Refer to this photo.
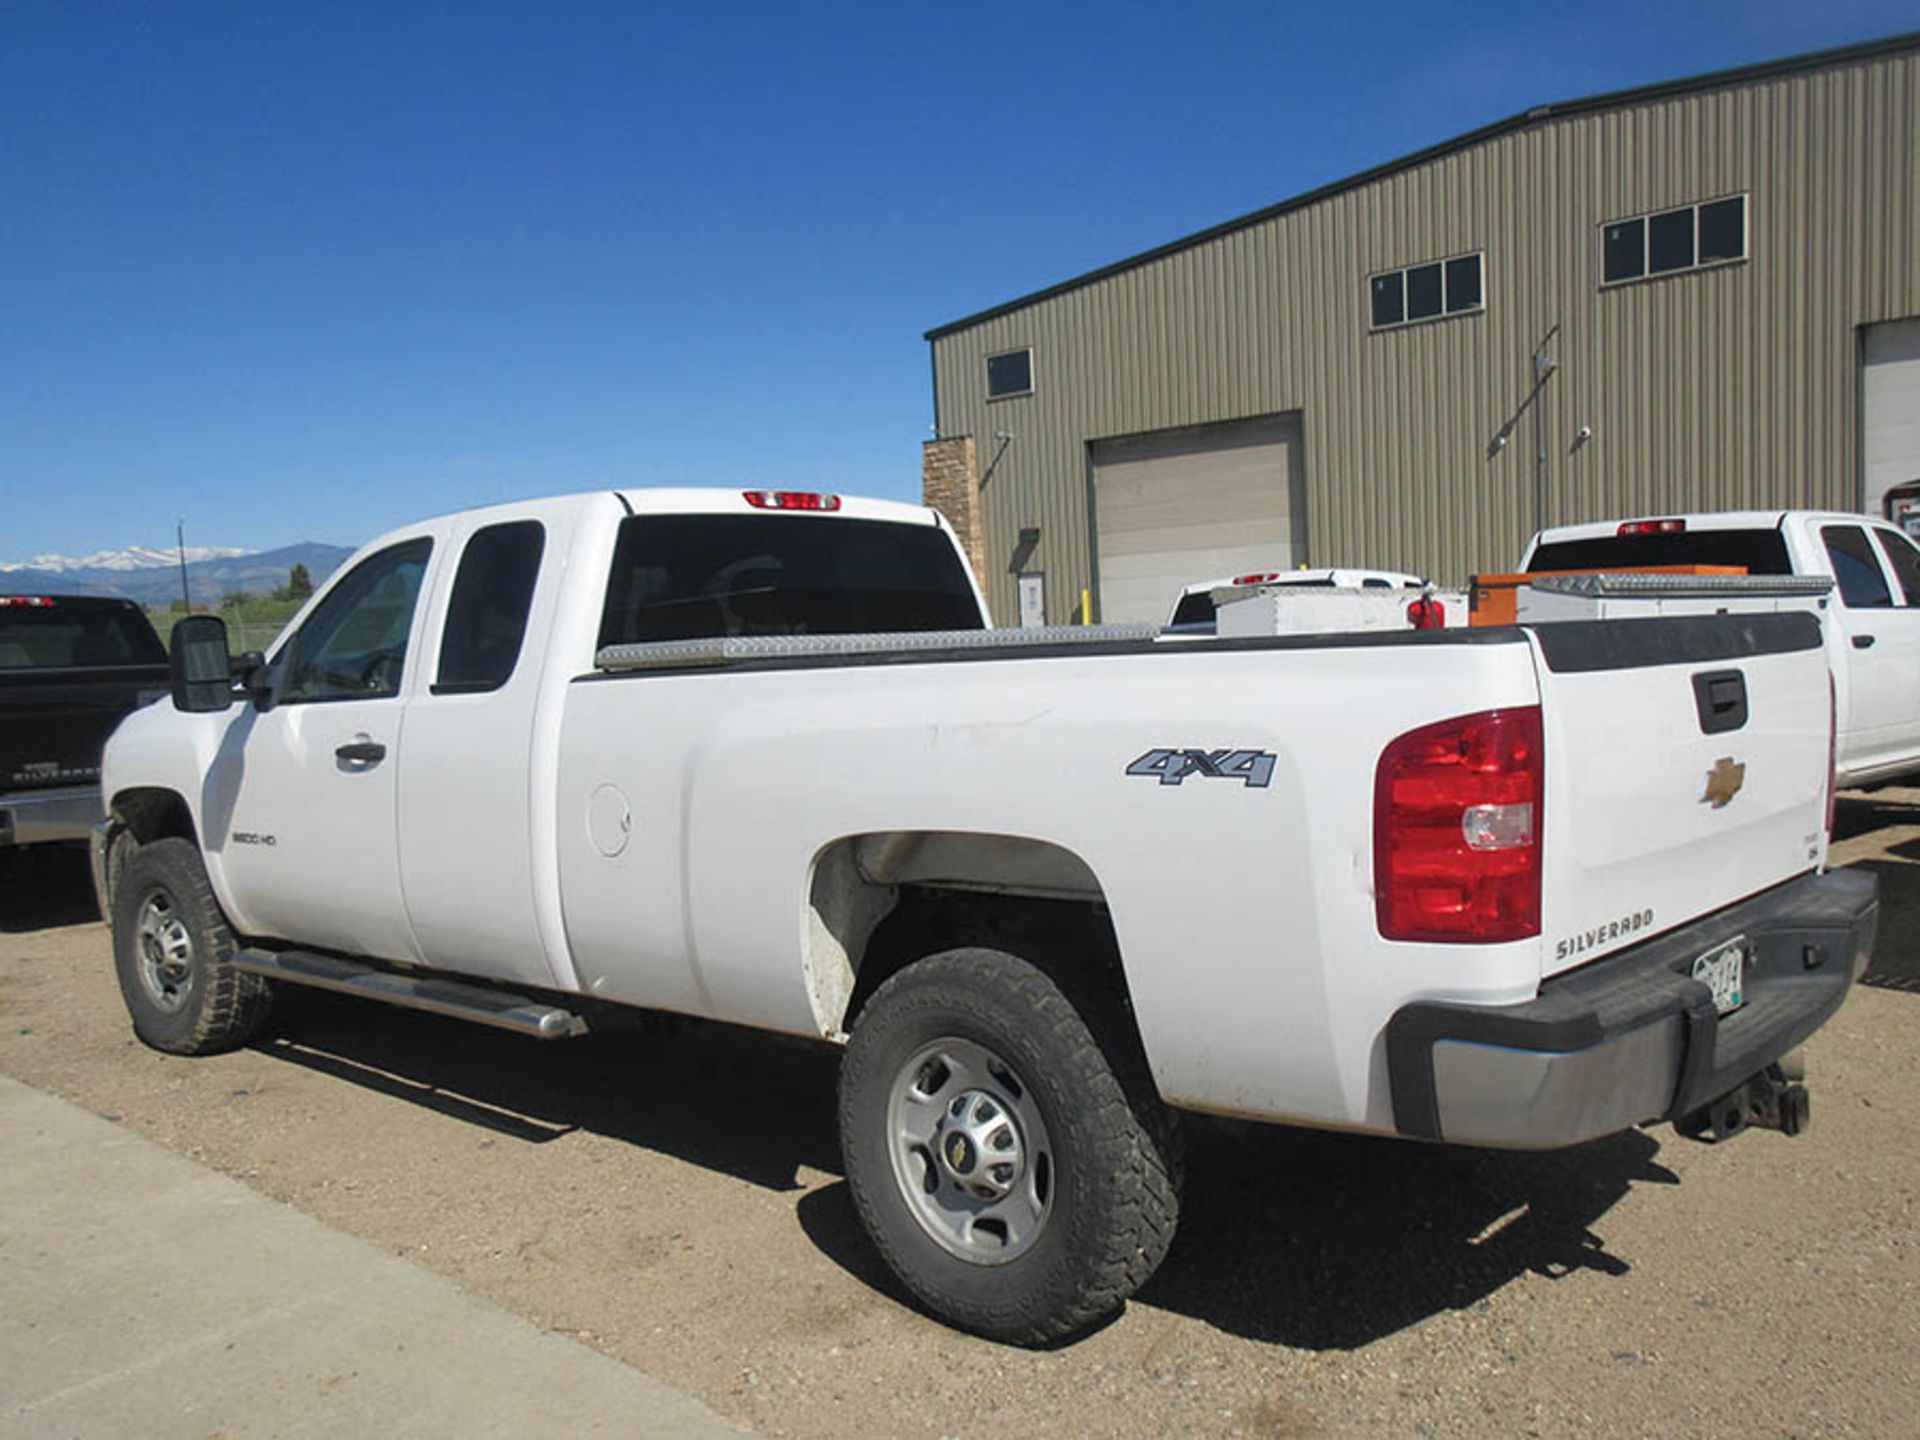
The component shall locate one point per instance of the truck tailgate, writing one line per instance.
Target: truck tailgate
(54, 724)
(1686, 768)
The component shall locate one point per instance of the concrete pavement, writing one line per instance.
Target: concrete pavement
(143, 1295)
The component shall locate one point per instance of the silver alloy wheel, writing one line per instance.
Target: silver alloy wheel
(166, 951)
(970, 1151)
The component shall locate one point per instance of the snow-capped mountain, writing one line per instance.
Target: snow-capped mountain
(134, 557)
(153, 576)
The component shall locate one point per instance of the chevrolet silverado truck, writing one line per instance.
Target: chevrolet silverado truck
(71, 667)
(1871, 624)
(757, 757)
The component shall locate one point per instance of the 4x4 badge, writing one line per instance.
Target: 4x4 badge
(1723, 782)
(1252, 768)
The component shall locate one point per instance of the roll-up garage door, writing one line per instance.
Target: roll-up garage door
(1176, 507)
(1889, 409)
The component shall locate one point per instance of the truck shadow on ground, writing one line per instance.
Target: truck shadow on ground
(753, 1106)
(1315, 1241)
(1896, 951)
(1330, 1242)
(45, 888)
(1896, 955)
(1861, 811)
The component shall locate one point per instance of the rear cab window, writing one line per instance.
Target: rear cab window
(1763, 551)
(1194, 614)
(51, 632)
(696, 576)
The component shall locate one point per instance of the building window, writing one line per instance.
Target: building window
(1010, 374)
(1686, 238)
(1426, 292)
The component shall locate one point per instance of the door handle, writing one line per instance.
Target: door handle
(362, 752)
(1863, 642)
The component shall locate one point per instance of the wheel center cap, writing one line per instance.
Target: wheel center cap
(980, 1146)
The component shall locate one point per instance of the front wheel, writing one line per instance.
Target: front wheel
(1005, 1173)
(172, 951)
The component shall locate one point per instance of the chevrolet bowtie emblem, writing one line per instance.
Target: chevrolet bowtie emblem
(1723, 782)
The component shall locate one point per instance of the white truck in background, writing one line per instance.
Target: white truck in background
(1871, 619)
(551, 765)
(1312, 602)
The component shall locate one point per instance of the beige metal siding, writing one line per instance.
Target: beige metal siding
(1730, 386)
(1179, 506)
(1890, 409)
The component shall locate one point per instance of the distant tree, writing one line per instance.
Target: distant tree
(299, 583)
(234, 599)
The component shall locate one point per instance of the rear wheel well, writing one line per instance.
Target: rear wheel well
(879, 901)
(1072, 941)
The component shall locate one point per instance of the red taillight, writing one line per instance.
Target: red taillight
(1427, 613)
(29, 602)
(1653, 527)
(790, 500)
(1456, 830)
(1259, 577)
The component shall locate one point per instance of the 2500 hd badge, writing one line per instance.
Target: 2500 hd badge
(1587, 939)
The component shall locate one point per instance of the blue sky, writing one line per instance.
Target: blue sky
(308, 272)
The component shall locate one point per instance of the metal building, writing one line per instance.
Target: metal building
(1697, 295)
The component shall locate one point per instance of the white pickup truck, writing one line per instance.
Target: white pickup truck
(1872, 633)
(547, 764)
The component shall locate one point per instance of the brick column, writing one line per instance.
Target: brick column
(950, 483)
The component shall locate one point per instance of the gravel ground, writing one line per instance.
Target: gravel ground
(676, 1201)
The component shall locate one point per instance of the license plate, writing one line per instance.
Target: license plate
(1723, 971)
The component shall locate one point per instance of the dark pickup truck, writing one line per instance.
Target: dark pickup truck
(71, 668)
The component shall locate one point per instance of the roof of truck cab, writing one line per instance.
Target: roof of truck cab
(716, 501)
(668, 500)
(1696, 520)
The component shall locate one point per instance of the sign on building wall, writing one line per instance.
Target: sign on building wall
(1033, 600)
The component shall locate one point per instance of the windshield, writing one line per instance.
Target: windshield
(50, 632)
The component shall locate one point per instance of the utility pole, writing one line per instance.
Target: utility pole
(180, 545)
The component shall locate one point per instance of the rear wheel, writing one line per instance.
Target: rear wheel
(1006, 1174)
(173, 952)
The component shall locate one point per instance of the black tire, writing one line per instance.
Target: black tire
(1110, 1177)
(172, 951)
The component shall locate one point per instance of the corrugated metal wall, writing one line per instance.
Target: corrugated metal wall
(1708, 389)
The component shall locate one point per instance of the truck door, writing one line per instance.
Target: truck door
(300, 802)
(466, 818)
(1881, 625)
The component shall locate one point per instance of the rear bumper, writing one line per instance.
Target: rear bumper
(34, 817)
(1633, 1038)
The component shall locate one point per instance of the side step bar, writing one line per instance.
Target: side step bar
(415, 992)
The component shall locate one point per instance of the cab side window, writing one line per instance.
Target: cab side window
(1863, 585)
(487, 616)
(354, 645)
(1904, 560)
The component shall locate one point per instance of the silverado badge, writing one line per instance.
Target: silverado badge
(1723, 782)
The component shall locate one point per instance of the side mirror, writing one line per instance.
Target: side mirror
(202, 671)
(251, 674)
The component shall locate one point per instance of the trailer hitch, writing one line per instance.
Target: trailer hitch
(1768, 1101)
